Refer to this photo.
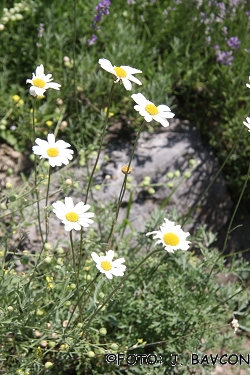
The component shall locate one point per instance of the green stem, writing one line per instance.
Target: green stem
(101, 142)
(117, 288)
(46, 208)
(98, 154)
(37, 188)
(123, 189)
(74, 264)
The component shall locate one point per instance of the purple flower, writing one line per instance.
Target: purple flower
(92, 41)
(103, 7)
(233, 42)
(248, 13)
(225, 58)
(222, 10)
(101, 10)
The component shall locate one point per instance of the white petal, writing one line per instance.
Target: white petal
(43, 144)
(62, 144)
(118, 262)
(40, 70)
(37, 90)
(110, 255)
(95, 257)
(109, 275)
(140, 99)
(51, 140)
(163, 108)
(53, 85)
(68, 227)
(106, 65)
(133, 79)
(118, 272)
(166, 114)
(38, 150)
(148, 117)
(127, 84)
(76, 225)
(161, 120)
(130, 70)
(33, 91)
(69, 203)
(52, 162)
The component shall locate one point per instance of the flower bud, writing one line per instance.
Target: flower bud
(48, 365)
(102, 331)
(91, 354)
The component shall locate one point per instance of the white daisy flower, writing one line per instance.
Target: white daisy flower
(56, 152)
(247, 123)
(105, 264)
(41, 82)
(171, 236)
(73, 217)
(123, 73)
(150, 112)
(247, 84)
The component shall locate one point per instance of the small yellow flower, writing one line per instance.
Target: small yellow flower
(49, 123)
(111, 114)
(86, 269)
(20, 103)
(126, 170)
(16, 98)
(140, 341)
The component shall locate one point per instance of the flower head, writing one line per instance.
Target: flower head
(247, 84)
(224, 58)
(171, 236)
(55, 151)
(247, 123)
(234, 42)
(123, 73)
(73, 217)
(105, 264)
(41, 82)
(150, 112)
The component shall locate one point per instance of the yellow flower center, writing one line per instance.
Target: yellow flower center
(52, 152)
(106, 265)
(39, 82)
(72, 216)
(152, 109)
(171, 239)
(121, 73)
